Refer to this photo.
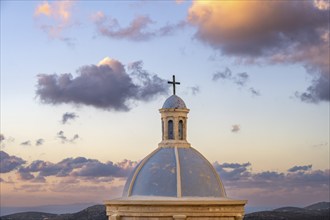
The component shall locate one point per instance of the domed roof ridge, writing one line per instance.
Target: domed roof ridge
(174, 101)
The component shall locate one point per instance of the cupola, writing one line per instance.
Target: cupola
(174, 121)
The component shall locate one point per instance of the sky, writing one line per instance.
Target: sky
(82, 83)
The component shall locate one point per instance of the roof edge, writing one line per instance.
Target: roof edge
(154, 200)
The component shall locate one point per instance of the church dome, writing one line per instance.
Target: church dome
(174, 172)
(174, 101)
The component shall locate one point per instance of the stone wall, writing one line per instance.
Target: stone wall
(154, 210)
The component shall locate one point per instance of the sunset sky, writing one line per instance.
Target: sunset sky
(82, 82)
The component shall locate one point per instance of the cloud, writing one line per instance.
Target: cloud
(43, 9)
(60, 135)
(322, 4)
(272, 186)
(60, 11)
(2, 137)
(68, 116)
(74, 188)
(235, 128)
(98, 17)
(239, 175)
(179, 1)
(137, 30)
(318, 91)
(77, 168)
(53, 18)
(292, 32)
(5, 140)
(26, 143)
(148, 85)
(115, 65)
(239, 79)
(9, 163)
(105, 86)
(235, 165)
(194, 89)
(226, 74)
(32, 188)
(249, 28)
(77, 174)
(300, 168)
(24, 175)
(232, 171)
(39, 142)
(60, 169)
(320, 145)
(254, 91)
(98, 169)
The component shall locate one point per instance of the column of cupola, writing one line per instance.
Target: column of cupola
(176, 128)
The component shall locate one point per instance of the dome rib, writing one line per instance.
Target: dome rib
(138, 169)
(178, 173)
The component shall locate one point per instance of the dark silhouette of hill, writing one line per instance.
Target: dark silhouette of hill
(96, 212)
(318, 206)
(317, 211)
(29, 216)
(54, 209)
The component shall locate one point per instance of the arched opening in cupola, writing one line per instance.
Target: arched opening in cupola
(170, 130)
(180, 130)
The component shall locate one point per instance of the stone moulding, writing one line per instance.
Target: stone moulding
(175, 209)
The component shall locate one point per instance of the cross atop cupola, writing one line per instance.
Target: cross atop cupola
(174, 120)
(173, 83)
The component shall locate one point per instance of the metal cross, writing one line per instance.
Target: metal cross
(173, 83)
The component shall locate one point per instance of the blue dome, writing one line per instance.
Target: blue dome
(174, 172)
(174, 101)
